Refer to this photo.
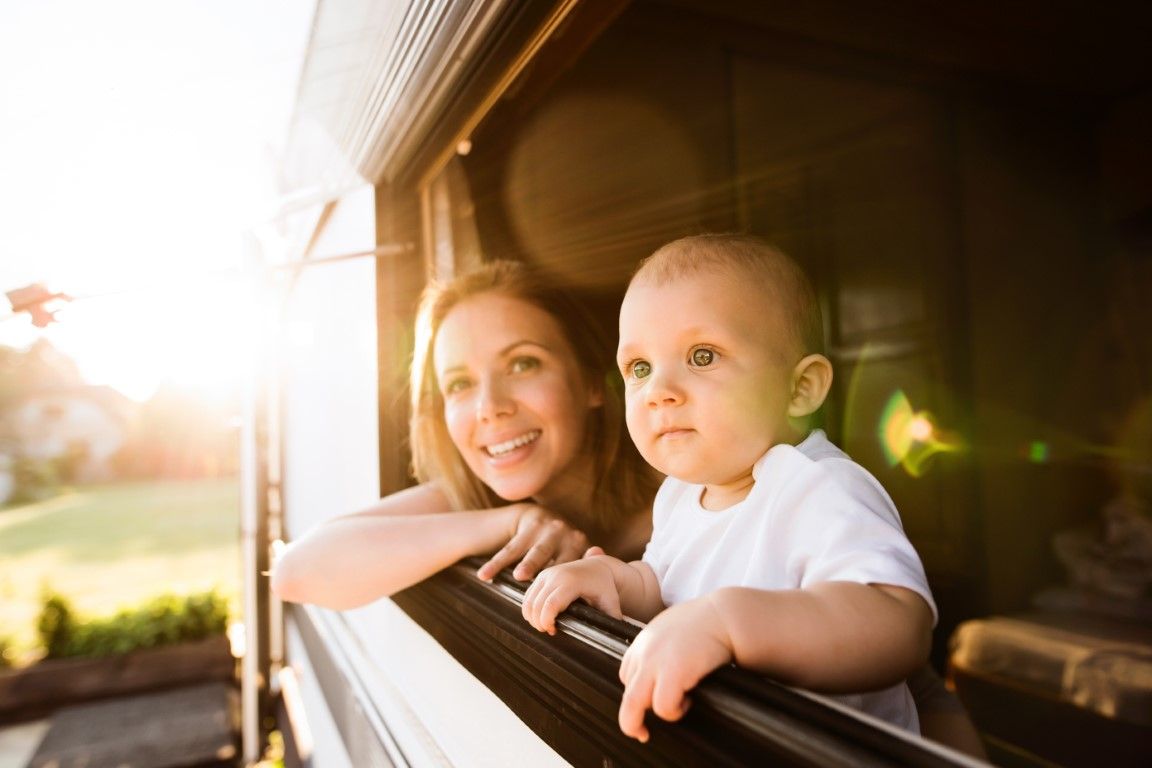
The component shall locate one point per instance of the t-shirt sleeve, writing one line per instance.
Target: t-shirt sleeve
(843, 527)
(656, 551)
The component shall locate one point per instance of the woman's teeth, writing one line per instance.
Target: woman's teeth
(499, 449)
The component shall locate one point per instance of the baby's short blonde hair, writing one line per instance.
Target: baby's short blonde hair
(771, 270)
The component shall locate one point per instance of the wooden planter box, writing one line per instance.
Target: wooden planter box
(35, 691)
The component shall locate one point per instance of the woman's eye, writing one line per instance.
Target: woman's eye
(640, 369)
(455, 386)
(522, 364)
(703, 357)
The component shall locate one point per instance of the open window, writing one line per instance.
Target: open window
(949, 178)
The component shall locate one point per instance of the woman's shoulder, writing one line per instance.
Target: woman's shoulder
(630, 538)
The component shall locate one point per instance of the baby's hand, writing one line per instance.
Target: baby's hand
(557, 587)
(667, 659)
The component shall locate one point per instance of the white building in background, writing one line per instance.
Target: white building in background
(91, 423)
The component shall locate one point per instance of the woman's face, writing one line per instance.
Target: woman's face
(515, 401)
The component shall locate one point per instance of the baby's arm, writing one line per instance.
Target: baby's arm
(836, 637)
(606, 583)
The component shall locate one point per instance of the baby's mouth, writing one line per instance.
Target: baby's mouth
(499, 449)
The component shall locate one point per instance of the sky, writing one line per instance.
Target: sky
(139, 141)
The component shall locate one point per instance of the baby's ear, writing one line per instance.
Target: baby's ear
(811, 380)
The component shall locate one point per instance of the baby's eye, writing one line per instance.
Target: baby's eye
(523, 363)
(702, 357)
(639, 369)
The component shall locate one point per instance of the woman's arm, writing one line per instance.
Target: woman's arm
(404, 538)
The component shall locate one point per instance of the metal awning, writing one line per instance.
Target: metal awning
(378, 76)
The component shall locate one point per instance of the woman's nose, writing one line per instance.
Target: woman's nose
(493, 401)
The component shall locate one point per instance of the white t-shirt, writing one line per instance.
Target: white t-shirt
(813, 515)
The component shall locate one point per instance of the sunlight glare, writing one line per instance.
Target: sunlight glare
(185, 335)
(140, 142)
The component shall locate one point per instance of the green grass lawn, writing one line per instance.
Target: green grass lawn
(113, 546)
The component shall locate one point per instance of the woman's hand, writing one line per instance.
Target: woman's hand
(539, 539)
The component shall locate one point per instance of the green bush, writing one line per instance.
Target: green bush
(164, 620)
(56, 625)
(33, 479)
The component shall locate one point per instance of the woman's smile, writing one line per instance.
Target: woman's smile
(506, 447)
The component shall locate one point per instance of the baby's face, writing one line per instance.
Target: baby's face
(707, 379)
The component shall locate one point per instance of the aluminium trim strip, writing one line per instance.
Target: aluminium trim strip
(366, 736)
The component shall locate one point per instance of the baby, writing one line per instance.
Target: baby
(771, 548)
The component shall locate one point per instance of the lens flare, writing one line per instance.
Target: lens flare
(920, 428)
(1038, 452)
(911, 438)
(895, 438)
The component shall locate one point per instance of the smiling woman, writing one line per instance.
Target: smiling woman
(513, 400)
(476, 324)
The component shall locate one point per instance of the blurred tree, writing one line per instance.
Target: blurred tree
(24, 371)
(39, 371)
(181, 434)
